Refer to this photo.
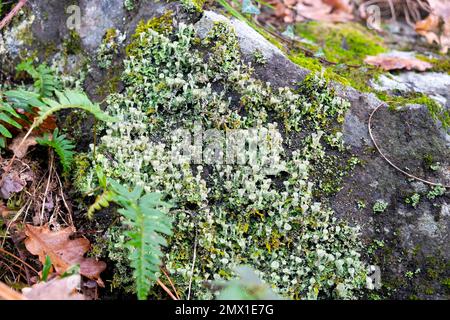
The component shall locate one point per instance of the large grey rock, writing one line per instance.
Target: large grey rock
(408, 137)
(97, 17)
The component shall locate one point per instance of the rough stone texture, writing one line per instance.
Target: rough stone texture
(414, 239)
(282, 71)
(434, 84)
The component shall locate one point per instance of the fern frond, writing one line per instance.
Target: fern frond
(24, 99)
(7, 116)
(62, 146)
(147, 222)
(69, 99)
(45, 82)
(102, 201)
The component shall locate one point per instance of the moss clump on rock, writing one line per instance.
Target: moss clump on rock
(254, 209)
(161, 24)
(437, 111)
(193, 5)
(72, 44)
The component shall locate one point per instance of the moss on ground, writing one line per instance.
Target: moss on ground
(193, 5)
(347, 43)
(72, 44)
(343, 45)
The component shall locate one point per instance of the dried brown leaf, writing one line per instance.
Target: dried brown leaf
(63, 251)
(56, 289)
(436, 27)
(325, 10)
(20, 148)
(396, 63)
(14, 181)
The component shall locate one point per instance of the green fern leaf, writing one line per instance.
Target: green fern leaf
(45, 82)
(102, 201)
(71, 99)
(68, 99)
(24, 99)
(7, 116)
(62, 146)
(147, 223)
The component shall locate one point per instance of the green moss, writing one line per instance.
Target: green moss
(72, 44)
(446, 284)
(82, 165)
(110, 35)
(345, 46)
(193, 5)
(111, 84)
(50, 50)
(302, 60)
(346, 43)
(162, 24)
(439, 65)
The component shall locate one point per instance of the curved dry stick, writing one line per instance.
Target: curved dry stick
(406, 12)
(12, 13)
(390, 162)
(424, 5)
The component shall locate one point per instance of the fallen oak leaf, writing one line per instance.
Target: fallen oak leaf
(387, 63)
(20, 147)
(324, 10)
(56, 289)
(431, 28)
(340, 5)
(63, 251)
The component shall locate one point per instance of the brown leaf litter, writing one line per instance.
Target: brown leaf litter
(63, 251)
(388, 62)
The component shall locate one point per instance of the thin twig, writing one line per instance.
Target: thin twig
(162, 285)
(19, 259)
(12, 13)
(389, 161)
(14, 219)
(171, 283)
(46, 188)
(193, 266)
(69, 211)
(22, 258)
